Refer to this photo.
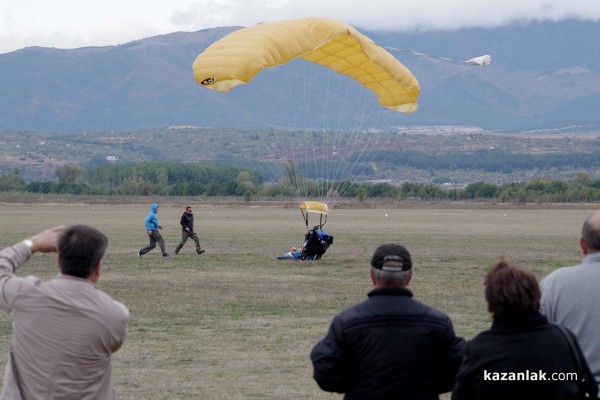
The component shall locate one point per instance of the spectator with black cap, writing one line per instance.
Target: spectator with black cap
(390, 346)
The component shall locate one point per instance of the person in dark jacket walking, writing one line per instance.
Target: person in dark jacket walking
(187, 230)
(153, 231)
(522, 356)
(390, 346)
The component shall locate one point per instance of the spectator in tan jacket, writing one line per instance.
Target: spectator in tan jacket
(63, 330)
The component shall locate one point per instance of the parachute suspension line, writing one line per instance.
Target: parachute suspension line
(297, 137)
(306, 150)
(481, 61)
(305, 217)
(326, 141)
(345, 141)
(293, 152)
(308, 145)
(340, 155)
(370, 148)
(323, 161)
(320, 158)
(342, 139)
(361, 163)
(334, 147)
(333, 153)
(264, 107)
(307, 159)
(287, 124)
(271, 106)
(355, 160)
(350, 142)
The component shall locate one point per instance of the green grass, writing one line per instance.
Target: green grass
(236, 323)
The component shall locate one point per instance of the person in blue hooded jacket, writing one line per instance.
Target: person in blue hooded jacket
(153, 231)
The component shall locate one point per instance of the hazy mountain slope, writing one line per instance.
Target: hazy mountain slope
(543, 76)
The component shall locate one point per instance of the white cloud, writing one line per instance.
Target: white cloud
(389, 14)
(75, 23)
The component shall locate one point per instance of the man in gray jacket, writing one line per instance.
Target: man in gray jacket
(570, 295)
(63, 330)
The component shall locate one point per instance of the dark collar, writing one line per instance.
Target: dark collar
(530, 321)
(390, 292)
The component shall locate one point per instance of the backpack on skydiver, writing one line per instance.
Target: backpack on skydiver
(316, 243)
(316, 240)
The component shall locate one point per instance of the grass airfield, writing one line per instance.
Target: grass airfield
(236, 323)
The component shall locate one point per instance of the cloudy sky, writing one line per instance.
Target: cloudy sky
(78, 23)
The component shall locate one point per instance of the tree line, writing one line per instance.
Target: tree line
(211, 179)
(147, 178)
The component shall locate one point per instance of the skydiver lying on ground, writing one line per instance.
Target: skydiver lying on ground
(316, 243)
(293, 254)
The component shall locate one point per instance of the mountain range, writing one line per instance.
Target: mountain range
(544, 76)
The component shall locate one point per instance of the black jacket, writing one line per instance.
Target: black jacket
(531, 346)
(388, 347)
(187, 221)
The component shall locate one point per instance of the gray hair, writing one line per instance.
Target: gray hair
(591, 231)
(391, 279)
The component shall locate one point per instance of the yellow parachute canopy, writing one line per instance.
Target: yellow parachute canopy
(235, 59)
(314, 207)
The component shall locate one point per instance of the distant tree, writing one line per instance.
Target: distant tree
(13, 181)
(431, 191)
(133, 187)
(521, 196)
(179, 179)
(361, 194)
(582, 178)
(480, 190)
(424, 191)
(382, 190)
(40, 187)
(504, 196)
(244, 183)
(293, 175)
(68, 173)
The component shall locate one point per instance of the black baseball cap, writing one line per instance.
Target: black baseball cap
(391, 257)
